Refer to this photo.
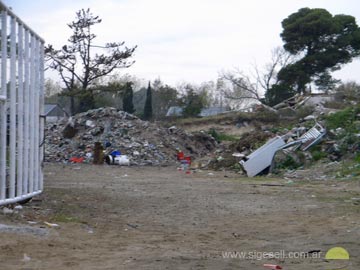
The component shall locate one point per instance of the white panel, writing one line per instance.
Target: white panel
(12, 108)
(20, 112)
(32, 116)
(36, 115)
(26, 113)
(42, 114)
(3, 119)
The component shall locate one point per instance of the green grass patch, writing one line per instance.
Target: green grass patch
(345, 119)
(349, 170)
(288, 163)
(317, 153)
(63, 218)
(220, 137)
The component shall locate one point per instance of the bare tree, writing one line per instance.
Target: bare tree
(80, 64)
(268, 76)
(249, 89)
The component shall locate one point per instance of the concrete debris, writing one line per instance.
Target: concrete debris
(26, 258)
(23, 230)
(6, 211)
(143, 143)
(310, 118)
(298, 100)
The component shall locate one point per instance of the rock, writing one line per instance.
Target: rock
(69, 131)
(7, 211)
(89, 123)
(309, 118)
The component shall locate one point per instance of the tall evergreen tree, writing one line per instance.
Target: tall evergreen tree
(148, 104)
(128, 105)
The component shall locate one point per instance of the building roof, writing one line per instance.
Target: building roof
(178, 111)
(175, 111)
(212, 111)
(48, 108)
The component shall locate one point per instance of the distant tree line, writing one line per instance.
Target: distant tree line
(316, 43)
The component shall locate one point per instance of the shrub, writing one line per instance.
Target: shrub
(343, 119)
(219, 137)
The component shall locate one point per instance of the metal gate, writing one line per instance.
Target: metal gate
(21, 107)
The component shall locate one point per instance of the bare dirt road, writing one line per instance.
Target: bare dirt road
(160, 218)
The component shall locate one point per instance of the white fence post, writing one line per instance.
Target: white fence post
(3, 113)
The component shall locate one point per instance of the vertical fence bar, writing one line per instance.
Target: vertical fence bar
(32, 115)
(3, 128)
(42, 115)
(12, 108)
(20, 112)
(37, 112)
(26, 113)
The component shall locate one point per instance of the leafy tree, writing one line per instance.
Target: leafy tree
(325, 43)
(148, 113)
(349, 91)
(164, 96)
(193, 101)
(80, 63)
(278, 93)
(51, 88)
(326, 82)
(128, 105)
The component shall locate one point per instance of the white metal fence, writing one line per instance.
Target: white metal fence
(21, 107)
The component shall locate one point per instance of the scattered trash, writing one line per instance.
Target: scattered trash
(23, 230)
(77, 159)
(309, 117)
(90, 123)
(239, 155)
(134, 226)
(272, 266)
(32, 222)
(18, 207)
(180, 155)
(26, 258)
(144, 143)
(263, 157)
(51, 225)
(7, 211)
(124, 160)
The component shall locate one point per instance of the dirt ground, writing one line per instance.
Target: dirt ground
(114, 217)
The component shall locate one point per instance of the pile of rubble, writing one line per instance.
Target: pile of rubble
(144, 143)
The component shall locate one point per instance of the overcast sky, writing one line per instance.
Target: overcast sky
(187, 40)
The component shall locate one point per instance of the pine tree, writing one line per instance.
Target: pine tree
(148, 104)
(81, 64)
(128, 105)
